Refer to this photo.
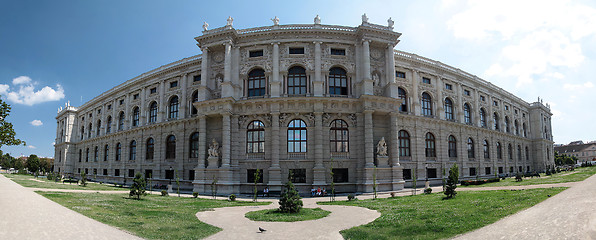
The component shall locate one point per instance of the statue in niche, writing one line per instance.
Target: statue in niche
(375, 78)
(317, 19)
(364, 18)
(230, 21)
(214, 149)
(218, 81)
(275, 21)
(382, 147)
(390, 22)
(205, 26)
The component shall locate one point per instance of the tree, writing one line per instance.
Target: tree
(290, 201)
(33, 163)
(7, 133)
(452, 182)
(83, 179)
(257, 176)
(332, 195)
(137, 188)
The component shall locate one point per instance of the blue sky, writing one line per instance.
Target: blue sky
(57, 51)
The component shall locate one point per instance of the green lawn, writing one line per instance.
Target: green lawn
(430, 217)
(274, 215)
(28, 181)
(579, 174)
(152, 217)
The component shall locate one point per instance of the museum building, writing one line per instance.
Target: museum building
(313, 103)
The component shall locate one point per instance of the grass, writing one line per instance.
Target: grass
(430, 217)
(152, 217)
(28, 181)
(274, 215)
(579, 174)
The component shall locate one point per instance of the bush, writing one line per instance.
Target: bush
(428, 190)
(351, 197)
(195, 194)
(83, 179)
(290, 201)
(452, 182)
(164, 193)
(137, 188)
(232, 197)
(519, 177)
(51, 176)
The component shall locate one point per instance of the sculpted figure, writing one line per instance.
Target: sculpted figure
(382, 147)
(205, 26)
(230, 21)
(390, 22)
(214, 149)
(317, 19)
(275, 21)
(364, 18)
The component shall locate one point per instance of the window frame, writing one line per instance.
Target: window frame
(255, 137)
(430, 150)
(300, 127)
(339, 136)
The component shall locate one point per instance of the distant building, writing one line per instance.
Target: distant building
(583, 152)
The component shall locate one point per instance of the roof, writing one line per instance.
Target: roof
(575, 148)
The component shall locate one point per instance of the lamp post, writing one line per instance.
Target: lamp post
(170, 177)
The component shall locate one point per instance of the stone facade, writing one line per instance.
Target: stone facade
(304, 99)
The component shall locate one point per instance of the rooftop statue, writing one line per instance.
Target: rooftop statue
(275, 21)
(205, 26)
(364, 18)
(317, 19)
(230, 21)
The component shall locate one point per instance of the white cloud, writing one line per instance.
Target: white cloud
(578, 87)
(27, 94)
(21, 80)
(31, 146)
(36, 123)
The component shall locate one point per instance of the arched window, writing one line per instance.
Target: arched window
(339, 136)
(118, 151)
(470, 148)
(80, 155)
(106, 152)
(255, 137)
(499, 151)
(153, 112)
(98, 131)
(194, 145)
(467, 114)
(486, 149)
(519, 156)
(121, 121)
(510, 151)
(132, 154)
(171, 147)
(90, 130)
(195, 98)
(135, 117)
(109, 125)
(496, 123)
(150, 149)
(429, 148)
(427, 105)
(482, 118)
(448, 109)
(82, 133)
(516, 125)
(297, 81)
(524, 128)
(452, 147)
(404, 143)
(174, 107)
(527, 154)
(507, 124)
(401, 94)
(338, 81)
(95, 154)
(256, 83)
(87, 155)
(297, 136)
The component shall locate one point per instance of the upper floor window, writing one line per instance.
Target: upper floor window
(448, 86)
(153, 90)
(95, 154)
(255, 53)
(510, 152)
(297, 136)
(82, 133)
(109, 125)
(121, 121)
(106, 152)
(118, 151)
(496, 123)
(339, 136)
(507, 127)
(427, 105)
(296, 50)
(87, 155)
(524, 130)
(171, 147)
(486, 149)
(401, 94)
(194, 145)
(448, 109)
(467, 92)
(132, 155)
(519, 155)
(109, 106)
(400, 74)
(149, 149)
(426, 80)
(429, 147)
(499, 151)
(98, 130)
(482, 98)
(173, 114)
(296, 81)
(135, 97)
(516, 126)
(153, 112)
(121, 102)
(452, 146)
(90, 130)
(195, 98)
(256, 83)
(338, 81)
(527, 154)
(196, 78)
(470, 148)
(338, 51)
(404, 143)
(495, 103)
(173, 84)
(135, 117)
(467, 114)
(482, 118)
(255, 137)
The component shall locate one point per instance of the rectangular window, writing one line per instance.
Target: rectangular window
(495, 103)
(426, 80)
(431, 173)
(515, 111)
(135, 97)
(297, 50)
(86, 171)
(191, 175)
(169, 174)
(467, 92)
(482, 98)
(500, 170)
(105, 171)
(173, 84)
(298, 175)
(340, 175)
(407, 174)
(121, 101)
(506, 107)
(131, 173)
(196, 78)
(487, 170)
(109, 106)
(95, 171)
(448, 86)
(148, 173)
(338, 51)
(250, 175)
(255, 53)
(98, 111)
(510, 169)
(472, 171)
(400, 74)
(116, 172)
(153, 90)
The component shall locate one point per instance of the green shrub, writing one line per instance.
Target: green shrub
(290, 201)
(137, 188)
(232, 197)
(452, 182)
(351, 197)
(164, 193)
(50, 176)
(83, 179)
(519, 177)
(428, 190)
(195, 194)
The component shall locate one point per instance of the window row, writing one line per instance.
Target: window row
(297, 82)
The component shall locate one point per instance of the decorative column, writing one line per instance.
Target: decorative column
(275, 170)
(460, 103)
(391, 87)
(225, 139)
(368, 139)
(318, 81)
(227, 90)
(183, 103)
(275, 82)
(200, 174)
(142, 107)
(397, 179)
(319, 169)
(162, 111)
(367, 81)
(440, 101)
(236, 73)
(476, 110)
(414, 93)
(203, 91)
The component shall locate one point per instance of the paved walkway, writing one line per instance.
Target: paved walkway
(570, 214)
(27, 215)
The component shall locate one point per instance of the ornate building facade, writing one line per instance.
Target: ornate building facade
(310, 99)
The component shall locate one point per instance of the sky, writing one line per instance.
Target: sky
(56, 51)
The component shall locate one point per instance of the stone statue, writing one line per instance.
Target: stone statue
(364, 18)
(382, 147)
(230, 21)
(375, 78)
(275, 21)
(205, 26)
(214, 149)
(390, 22)
(317, 19)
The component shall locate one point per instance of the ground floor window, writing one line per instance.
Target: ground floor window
(500, 170)
(86, 171)
(431, 173)
(407, 174)
(251, 175)
(95, 171)
(105, 171)
(131, 173)
(116, 172)
(340, 175)
(148, 173)
(527, 168)
(191, 175)
(510, 169)
(487, 170)
(298, 175)
(169, 174)
(472, 171)
(520, 169)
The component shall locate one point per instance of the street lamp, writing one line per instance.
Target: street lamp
(170, 177)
